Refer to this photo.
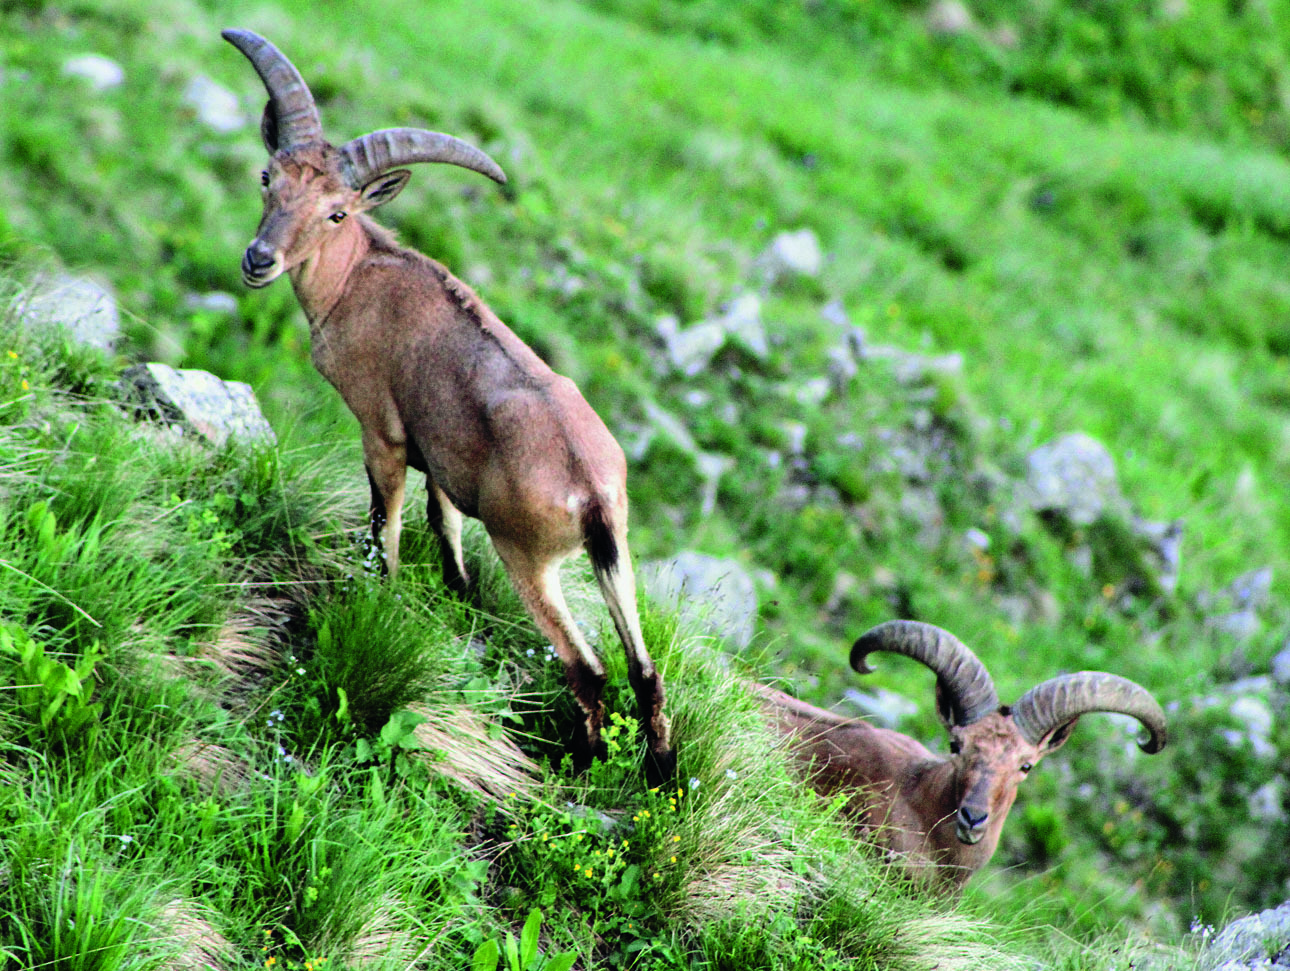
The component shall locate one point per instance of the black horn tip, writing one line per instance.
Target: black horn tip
(860, 658)
(1154, 742)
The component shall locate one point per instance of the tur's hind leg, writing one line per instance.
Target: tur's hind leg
(618, 587)
(446, 520)
(538, 585)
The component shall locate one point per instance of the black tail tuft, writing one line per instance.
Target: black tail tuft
(598, 537)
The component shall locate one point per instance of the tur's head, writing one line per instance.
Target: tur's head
(310, 187)
(992, 746)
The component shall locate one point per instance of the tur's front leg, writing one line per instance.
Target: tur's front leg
(387, 475)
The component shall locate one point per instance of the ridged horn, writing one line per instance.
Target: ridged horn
(294, 114)
(962, 677)
(367, 156)
(1061, 700)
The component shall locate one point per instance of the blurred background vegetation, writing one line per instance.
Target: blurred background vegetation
(1034, 220)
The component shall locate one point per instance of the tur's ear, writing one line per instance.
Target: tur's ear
(383, 188)
(1057, 737)
(269, 128)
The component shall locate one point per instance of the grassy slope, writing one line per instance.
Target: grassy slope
(226, 745)
(1098, 276)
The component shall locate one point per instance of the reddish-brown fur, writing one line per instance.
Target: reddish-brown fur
(438, 382)
(908, 800)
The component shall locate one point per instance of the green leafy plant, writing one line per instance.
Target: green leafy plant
(521, 955)
(53, 695)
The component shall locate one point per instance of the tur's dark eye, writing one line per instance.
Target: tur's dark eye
(264, 179)
(1026, 767)
(336, 217)
(955, 746)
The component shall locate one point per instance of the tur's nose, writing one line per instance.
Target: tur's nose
(257, 258)
(970, 819)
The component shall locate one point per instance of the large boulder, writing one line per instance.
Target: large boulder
(199, 403)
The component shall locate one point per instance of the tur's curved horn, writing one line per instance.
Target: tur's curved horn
(960, 674)
(294, 114)
(1059, 701)
(367, 156)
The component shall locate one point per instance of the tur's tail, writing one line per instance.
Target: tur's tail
(598, 537)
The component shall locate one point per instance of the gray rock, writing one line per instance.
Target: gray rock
(1250, 590)
(1252, 942)
(795, 254)
(1266, 801)
(1162, 543)
(1281, 667)
(881, 706)
(1074, 476)
(716, 594)
(1240, 625)
(949, 18)
(214, 301)
(741, 321)
(711, 468)
(215, 105)
(199, 403)
(690, 349)
(101, 72)
(910, 368)
(665, 425)
(82, 306)
(835, 312)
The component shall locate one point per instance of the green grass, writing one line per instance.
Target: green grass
(1096, 219)
(304, 766)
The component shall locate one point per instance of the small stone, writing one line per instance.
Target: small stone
(216, 106)
(1074, 476)
(1240, 625)
(82, 306)
(1163, 541)
(794, 254)
(101, 72)
(691, 349)
(1281, 666)
(949, 18)
(741, 321)
(1250, 590)
(835, 312)
(215, 301)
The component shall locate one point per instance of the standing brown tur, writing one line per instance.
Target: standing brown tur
(439, 383)
(942, 815)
